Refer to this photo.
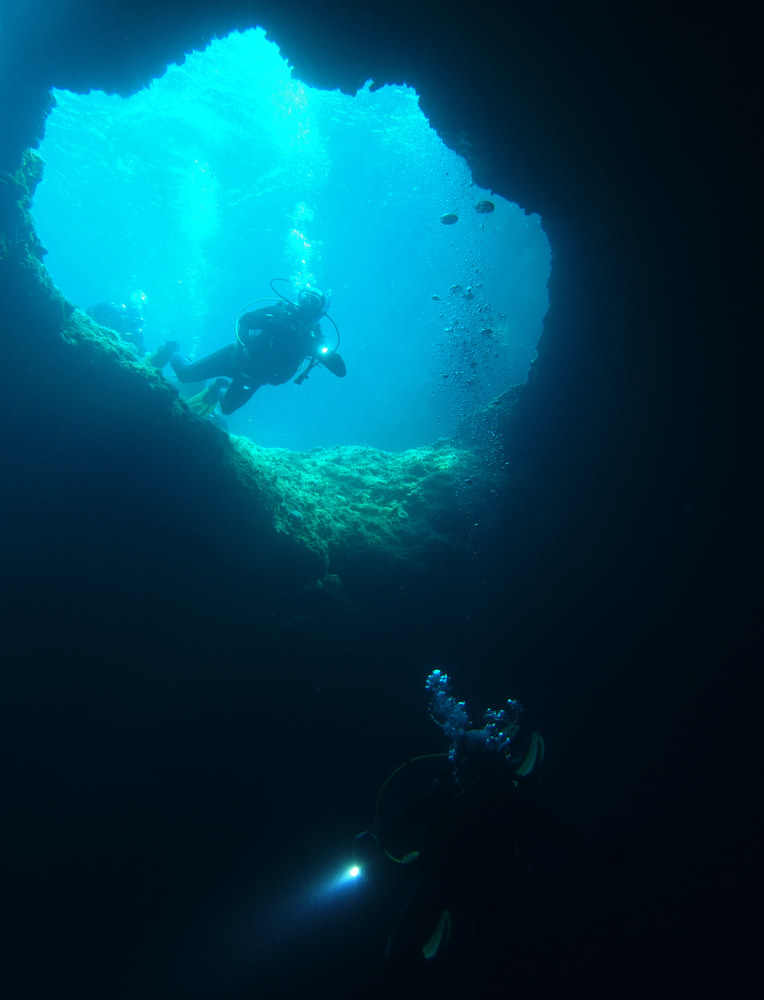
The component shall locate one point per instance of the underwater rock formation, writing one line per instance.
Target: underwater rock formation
(300, 515)
(354, 501)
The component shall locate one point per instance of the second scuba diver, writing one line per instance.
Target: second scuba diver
(271, 344)
(471, 828)
(126, 320)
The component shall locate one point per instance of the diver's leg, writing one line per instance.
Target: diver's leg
(423, 925)
(239, 392)
(218, 363)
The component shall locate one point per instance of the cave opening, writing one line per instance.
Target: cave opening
(187, 198)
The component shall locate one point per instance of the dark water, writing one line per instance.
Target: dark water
(190, 196)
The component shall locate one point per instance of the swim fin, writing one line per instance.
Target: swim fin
(204, 402)
(161, 356)
(440, 937)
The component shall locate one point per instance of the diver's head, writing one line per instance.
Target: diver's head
(312, 304)
(476, 757)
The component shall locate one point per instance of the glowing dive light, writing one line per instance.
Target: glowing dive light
(354, 871)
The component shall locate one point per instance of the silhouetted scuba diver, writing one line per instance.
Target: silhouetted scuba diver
(471, 828)
(125, 320)
(271, 344)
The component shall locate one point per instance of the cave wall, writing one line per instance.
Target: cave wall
(617, 594)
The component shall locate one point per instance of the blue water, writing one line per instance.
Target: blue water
(192, 194)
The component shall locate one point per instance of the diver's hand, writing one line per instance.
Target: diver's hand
(334, 363)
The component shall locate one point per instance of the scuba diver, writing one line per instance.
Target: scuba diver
(126, 320)
(271, 344)
(471, 828)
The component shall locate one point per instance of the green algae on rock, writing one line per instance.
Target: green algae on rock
(355, 500)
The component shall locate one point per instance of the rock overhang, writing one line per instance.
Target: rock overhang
(419, 512)
(486, 114)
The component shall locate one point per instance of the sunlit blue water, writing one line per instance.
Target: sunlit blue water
(227, 172)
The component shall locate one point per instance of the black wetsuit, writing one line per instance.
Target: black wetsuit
(473, 848)
(273, 343)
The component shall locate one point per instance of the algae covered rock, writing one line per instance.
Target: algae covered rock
(355, 501)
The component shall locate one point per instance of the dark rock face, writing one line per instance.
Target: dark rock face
(192, 702)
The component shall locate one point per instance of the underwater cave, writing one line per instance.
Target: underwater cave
(190, 196)
(216, 640)
(227, 181)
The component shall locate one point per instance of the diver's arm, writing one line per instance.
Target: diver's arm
(320, 353)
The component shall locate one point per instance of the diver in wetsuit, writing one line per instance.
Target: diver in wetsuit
(471, 828)
(125, 320)
(271, 344)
